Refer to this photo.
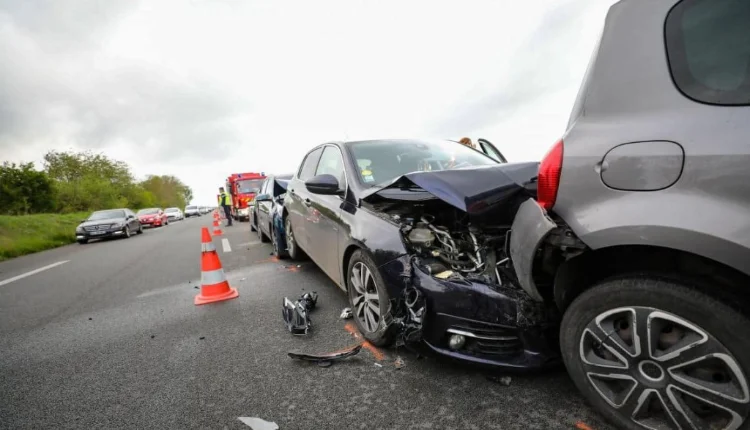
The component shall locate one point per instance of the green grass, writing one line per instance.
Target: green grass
(26, 234)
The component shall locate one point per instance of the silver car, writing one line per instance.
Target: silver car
(174, 214)
(640, 233)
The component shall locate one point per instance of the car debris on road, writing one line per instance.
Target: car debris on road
(346, 314)
(326, 359)
(296, 314)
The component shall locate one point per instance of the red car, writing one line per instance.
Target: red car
(152, 217)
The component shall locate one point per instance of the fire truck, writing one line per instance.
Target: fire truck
(243, 187)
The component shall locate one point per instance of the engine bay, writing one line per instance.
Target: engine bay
(453, 245)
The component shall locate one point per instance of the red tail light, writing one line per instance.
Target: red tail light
(549, 176)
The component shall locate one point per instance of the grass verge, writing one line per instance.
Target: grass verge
(26, 234)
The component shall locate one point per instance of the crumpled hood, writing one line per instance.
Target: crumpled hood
(473, 190)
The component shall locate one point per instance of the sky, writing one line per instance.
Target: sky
(201, 89)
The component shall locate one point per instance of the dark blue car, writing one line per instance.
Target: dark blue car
(265, 216)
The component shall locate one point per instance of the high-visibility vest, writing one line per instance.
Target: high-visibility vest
(225, 199)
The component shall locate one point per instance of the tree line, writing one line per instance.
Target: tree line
(82, 182)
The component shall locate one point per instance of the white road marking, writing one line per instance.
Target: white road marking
(256, 423)
(33, 272)
(225, 245)
(242, 245)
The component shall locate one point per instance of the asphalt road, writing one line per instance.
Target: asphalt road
(111, 339)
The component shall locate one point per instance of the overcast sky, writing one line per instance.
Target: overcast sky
(203, 88)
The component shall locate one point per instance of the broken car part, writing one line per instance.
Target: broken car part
(327, 357)
(296, 314)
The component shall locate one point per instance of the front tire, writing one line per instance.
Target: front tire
(261, 236)
(295, 253)
(653, 352)
(127, 232)
(140, 229)
(254, 223)
(82, 241)
(369, 299)
(277, 251)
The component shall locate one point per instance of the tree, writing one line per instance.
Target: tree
(168, 190)
(25, 190)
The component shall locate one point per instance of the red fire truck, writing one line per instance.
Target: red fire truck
(243, 187)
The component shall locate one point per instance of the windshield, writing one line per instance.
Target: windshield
(380, 162)
(191, 208)
(249, 186)
(116, 213)
(171, 210)
(149, 211)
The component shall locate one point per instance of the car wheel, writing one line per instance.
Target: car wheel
(656, 353)
(262, 237)
(140, 229)
(277, 251)
(369, 299)
(127, 231)
(253, 224)
(82, 241)
(294, 252)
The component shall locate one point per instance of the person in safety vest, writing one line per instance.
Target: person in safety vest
(225, 201)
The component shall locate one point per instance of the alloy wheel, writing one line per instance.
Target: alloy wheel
(365, 298)
(663, 372)
(127, 231)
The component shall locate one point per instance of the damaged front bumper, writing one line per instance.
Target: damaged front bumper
(500, 327)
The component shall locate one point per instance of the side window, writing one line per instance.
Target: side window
(264, 186)
(307, 170)
(331, 163)
(708, 46)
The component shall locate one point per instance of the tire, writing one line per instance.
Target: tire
(140, 229)
(676, 312)
(375, 331)
(294, 251)
(277, 251)
(127, 232)
(254, 223)
(82, 241)
(261, 236)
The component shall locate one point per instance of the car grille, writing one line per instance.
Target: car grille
(489, 339)
(98, 227)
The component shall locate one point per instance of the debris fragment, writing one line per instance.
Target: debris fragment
(328, 357)
(296, 313)
(90, 318)
(243, 279)
(202, 337)
(580, 425)
(258, 424)
(153, 336)
(346, 314)
(399, 363)
(196, 287)
(502, 380)
(378, 364)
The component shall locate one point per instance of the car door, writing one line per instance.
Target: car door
(264, 208)
(326, 213)
(491, 151)
(131, 219)
(299, 201)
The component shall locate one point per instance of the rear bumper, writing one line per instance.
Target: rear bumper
(500, 327)
(530, 227)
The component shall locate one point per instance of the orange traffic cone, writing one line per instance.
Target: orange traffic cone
(217, 229)
(214, 285)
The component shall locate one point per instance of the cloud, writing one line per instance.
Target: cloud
(202, 89)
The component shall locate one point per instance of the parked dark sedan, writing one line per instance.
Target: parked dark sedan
(416, 232)
(266, 212)
(108, 223)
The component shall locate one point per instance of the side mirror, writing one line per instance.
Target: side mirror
(83, 221)
(263, 198)
(323, 184)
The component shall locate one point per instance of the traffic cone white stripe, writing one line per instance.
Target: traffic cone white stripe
(212, 277)
(207, 247)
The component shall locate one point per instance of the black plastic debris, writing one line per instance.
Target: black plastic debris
(90, 318)
(502, 380)
(326, 359)
(202, 337)
(296, 314)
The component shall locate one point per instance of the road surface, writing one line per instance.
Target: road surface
(106, 335)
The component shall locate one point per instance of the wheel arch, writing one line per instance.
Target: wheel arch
(580, 273)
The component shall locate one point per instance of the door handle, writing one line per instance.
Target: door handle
(308, 202)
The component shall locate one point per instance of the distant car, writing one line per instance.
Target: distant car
(108, 223)
(153, 217)
(174, 214)
(192, 211)
(266, 212)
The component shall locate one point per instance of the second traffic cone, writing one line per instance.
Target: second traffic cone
(214, 285)
(217, 229)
